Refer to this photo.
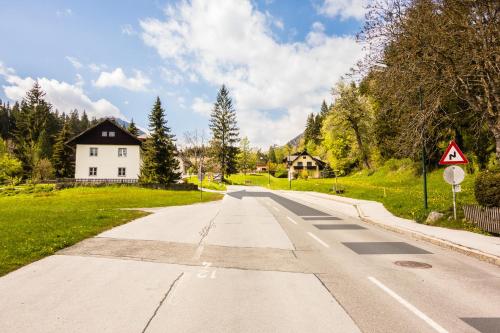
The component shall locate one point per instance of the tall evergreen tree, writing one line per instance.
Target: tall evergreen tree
(84, 121)
(132, 128)
(272, 154)
(159, 164)
(62, 159)
(310, 128)
(30, 134)
(224, 132)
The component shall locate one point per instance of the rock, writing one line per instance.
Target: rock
(433, 217)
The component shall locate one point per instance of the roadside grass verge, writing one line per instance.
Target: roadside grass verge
(38, 224)
(207, 184)
(400, 190)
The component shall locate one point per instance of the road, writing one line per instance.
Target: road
(257, 261)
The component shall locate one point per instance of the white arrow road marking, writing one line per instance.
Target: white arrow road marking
(291, 220)
(409, 306)
(318, 240)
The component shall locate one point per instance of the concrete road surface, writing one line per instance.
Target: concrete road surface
(258, 261)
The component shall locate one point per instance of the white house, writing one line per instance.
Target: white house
(106, 151)
(304, 162)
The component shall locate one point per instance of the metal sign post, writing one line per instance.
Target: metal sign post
(454, 175)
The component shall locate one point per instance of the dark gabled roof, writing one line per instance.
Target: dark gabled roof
(93, 135)
(297, 155)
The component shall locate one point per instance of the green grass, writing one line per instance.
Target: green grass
(207, 184)
(38, 224)
(399, 190)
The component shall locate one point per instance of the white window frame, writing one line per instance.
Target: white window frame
(122, 152)
(92, 174)
(104, 134)
(91, 149)
(111, 134)
(124, 171)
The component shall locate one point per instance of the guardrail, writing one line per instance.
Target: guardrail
(486, 218)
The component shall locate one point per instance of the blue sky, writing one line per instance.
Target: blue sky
(112, 58)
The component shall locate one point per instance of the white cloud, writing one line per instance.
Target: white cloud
(62, 95)
(201, 106)
(97, 68)
(171, 76)
(343, 8)
(117, 78)
(127, 29)
(231, 42)
(74, 62)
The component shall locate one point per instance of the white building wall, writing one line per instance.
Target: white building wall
(107, 161)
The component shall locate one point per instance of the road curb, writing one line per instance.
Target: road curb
(486, 257)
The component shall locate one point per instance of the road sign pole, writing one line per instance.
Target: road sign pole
(424, 168)
(454, 202)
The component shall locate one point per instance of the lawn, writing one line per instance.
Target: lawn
(35, 225)
(207, 183)
(400, 190)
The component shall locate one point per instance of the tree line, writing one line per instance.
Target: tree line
(33, 139)
(431, 75)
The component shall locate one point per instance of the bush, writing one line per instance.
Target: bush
(281, 172)
(487, 188)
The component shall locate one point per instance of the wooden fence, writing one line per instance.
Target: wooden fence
(486, 218)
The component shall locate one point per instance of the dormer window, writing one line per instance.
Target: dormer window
(111, 134)
(104, 133)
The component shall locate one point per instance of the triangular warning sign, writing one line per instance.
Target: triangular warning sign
(453, 155)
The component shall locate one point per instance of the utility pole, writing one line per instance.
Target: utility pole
(424, 168)
(289, 174)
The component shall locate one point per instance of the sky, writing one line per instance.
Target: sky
(278, 58)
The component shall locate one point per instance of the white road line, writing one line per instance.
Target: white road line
(317, 239)
(291, 220)
(409, 306)
(276, 209)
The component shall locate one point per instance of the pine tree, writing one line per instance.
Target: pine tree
(62, 158)
(132, 128)
(272, 155)
(159, 164)
(30, 136)
(224, 132)
(309, 131)
(324, 110)
(84, 121)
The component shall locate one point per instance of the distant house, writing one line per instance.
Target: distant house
(106, 151)
(299, 162)
(261, 167)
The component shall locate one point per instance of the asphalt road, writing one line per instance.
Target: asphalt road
(258, 261)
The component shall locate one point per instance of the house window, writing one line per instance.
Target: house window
(92, 171)
(104, 133)
(309, 164)
(299, 164)
(304, 157)
(93, 151)
(122, 152)
(121, 172)
(111, 134)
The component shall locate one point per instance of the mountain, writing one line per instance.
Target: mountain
(124, 124)
(295, 141)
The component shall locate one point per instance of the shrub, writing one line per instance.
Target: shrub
(487, 188)
(281, 172)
